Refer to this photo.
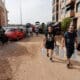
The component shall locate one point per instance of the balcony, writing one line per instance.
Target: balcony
(69, 2)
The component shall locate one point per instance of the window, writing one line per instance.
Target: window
(63, 11)
(53, 1)
(78, 7)
(54, 17)
(54, 9)
(63, 0)
(57, 0)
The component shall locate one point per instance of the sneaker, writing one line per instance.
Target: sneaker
(69, 66)
(51, 60)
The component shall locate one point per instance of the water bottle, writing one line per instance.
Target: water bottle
(43, 51)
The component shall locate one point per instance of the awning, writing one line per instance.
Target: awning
(74, 18)
(57, 23)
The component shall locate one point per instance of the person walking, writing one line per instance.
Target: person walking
(30, 31)
(37, 31)
(49, 42)
(69, 40)
(2, 34)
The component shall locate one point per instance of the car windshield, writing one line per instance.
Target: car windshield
(7, 30)
(20, 30)
(13, 30)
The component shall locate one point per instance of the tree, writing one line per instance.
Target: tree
(65, 23)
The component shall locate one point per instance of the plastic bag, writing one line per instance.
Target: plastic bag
(78, 48)
(43, 51)
(75, 55)
(62, 52)
(56, 50)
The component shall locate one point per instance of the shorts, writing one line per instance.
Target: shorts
(49, 45)
(70, 51)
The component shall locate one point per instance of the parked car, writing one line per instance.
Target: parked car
(14, 34)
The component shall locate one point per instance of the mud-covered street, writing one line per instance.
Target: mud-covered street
(23, 61)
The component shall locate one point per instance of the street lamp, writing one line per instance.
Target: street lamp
(21, 12)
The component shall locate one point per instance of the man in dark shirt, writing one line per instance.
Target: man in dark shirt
(49, 41)
(70, 37)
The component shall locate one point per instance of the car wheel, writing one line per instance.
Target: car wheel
(17, 38)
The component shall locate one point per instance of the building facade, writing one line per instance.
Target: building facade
(78, 13)
(67, 8)
(3, 14)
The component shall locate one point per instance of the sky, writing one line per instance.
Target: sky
(32, 11)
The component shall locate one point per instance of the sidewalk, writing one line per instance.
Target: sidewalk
(78, 57)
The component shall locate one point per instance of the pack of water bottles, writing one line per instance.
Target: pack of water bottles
(62, 52)
(56, 49)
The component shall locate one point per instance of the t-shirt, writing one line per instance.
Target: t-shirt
(49, 36)
(70, 38)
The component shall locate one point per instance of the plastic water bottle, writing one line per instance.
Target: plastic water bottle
(43, 51)
(75, 55)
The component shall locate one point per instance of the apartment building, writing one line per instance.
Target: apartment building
(67, 8)
(55, 10)
(77, 14)
(3, 14)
